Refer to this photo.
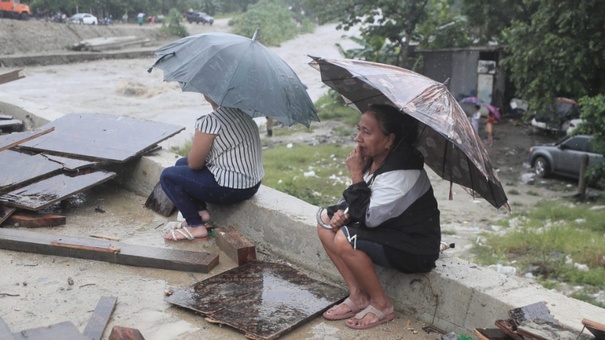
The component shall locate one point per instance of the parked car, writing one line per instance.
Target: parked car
(84, 19)
(567, 114)
(564, 157)
(199, 17)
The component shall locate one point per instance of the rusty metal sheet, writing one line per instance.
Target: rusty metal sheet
(41, 194)
(18, 168)
(101, 136)
(261, 299)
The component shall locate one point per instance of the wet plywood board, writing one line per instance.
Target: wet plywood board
(5, 213)
(18, 168)
(41, 194)
(159, 202)
(70, 164)
(597, 329)
(11, 140)
(64, 330)
(100, 317)
(101, 136)
(263, 300)
(107, 251)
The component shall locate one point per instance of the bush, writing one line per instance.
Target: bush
(276, 23)
(172, 24)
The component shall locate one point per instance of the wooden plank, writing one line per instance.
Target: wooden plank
(106, 249)
(13, 124)
(15, 139)
(71, 164)
(235, 245)
(597, 329)
(64, 330)
(130, 254)
(102, 136)
(5, 117)
(159, 202)
(41, 194)
(491, 334)
(5, 213)
(5, 331)
(36, 221)
(125, 333)
(19, 169)
(100, 317)
(11, 76)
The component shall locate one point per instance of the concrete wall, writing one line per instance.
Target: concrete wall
(456, 296)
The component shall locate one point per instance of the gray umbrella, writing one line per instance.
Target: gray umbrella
(239, 72)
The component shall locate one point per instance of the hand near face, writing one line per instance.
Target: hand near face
(356, 163)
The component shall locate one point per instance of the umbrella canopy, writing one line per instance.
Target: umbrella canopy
(479, 101)
(445, 136)
(238, 72)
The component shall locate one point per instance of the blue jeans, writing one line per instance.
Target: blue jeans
(190, 190)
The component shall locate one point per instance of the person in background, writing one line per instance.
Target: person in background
(489, 128)
(388, 216)
(224, 166)
(476, 117)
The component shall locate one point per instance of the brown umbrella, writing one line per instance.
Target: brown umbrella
(445, 136)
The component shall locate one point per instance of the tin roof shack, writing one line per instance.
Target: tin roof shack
(472, 71)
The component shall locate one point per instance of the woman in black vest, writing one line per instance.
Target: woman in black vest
(388, 216)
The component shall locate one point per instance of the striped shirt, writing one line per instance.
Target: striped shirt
(235, 158)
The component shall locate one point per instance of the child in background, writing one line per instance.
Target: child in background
(489, 128)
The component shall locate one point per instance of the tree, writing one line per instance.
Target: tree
(489, 19)
(394, 20)
(558, 52)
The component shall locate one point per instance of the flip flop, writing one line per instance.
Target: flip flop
(179, 225)
(331, 314)
(382, 318)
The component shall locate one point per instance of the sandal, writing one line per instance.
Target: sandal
(184, 232)
(382, 318)
(331, 314)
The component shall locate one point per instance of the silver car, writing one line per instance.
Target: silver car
(563, 158)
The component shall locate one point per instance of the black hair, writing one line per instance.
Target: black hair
(392, 120)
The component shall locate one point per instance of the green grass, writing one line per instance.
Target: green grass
(332, 107)
(285, 170)
(556, 240)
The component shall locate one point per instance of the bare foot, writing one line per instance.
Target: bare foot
(186, 233)
(204, 215)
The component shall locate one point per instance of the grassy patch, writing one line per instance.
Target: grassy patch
(332, 107)
(315, 174)
(556, 240)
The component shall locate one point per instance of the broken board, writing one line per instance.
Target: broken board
(63, 330)
(101, 136)
(159, 202)
(107, 251)
(70, 164)
(261, 299)
(35, 220)
(100, 317)
(19, 168)
(41, 194)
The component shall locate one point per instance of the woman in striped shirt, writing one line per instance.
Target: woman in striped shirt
(224, 166)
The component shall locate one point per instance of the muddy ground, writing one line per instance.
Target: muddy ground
(35, 290)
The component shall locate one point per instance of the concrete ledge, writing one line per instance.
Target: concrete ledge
(72, 57)
(457, 296)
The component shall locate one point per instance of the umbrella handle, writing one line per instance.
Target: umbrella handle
(320, 222)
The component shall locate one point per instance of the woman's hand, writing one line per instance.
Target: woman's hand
(339, 219)
(356, 163)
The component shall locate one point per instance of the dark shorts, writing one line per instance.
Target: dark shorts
(389, 257)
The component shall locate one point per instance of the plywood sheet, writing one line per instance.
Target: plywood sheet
(261, 299)
(41, 194)
(70, 164)
(18, 168)
(101, 136)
